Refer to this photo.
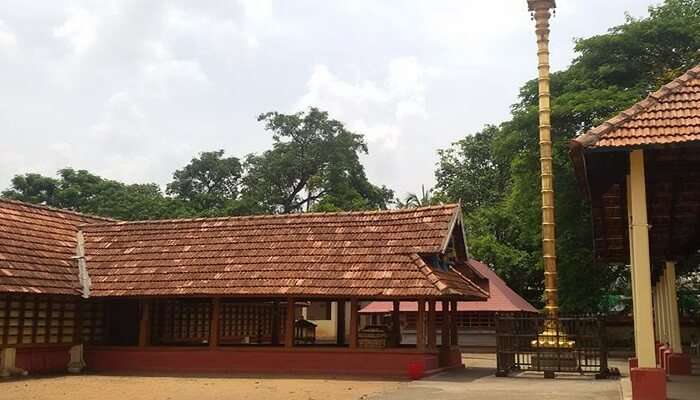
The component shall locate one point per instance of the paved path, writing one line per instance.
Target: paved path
(478, 382)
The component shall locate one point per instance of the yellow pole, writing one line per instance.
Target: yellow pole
(641, 264)
(542, 14)
(632, 263)
(675, 325)
(663, 297)
(655, 303)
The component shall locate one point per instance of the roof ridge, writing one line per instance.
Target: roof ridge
(281, 216)
(470, 281)
(593, 135)
(55, 209)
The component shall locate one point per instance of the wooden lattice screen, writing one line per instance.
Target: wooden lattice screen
(181, 321)
(92, 321)
(245, 322)
(37, 319)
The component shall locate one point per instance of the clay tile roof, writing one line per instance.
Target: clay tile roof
(669, 115)
(502, 298)
(370, 254)
(36, 246)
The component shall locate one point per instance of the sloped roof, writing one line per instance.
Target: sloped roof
(36, 246)
(315, 254)
(501, 298)
(669, 115)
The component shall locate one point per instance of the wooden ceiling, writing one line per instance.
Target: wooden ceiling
(673, 202)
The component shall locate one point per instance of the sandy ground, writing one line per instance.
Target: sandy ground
(475, 382)
(95, 387)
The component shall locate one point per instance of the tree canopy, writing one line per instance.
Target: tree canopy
(495, 172)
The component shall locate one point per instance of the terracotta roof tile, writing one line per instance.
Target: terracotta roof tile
(669, 115)
(502, 298)
(370, 254)
(36, 246)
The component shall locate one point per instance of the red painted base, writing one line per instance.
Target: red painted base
(648, 383)
(666, 354)
(325, 361)
(43, 359)
(633, 362)
(679, 364)
(660, 359)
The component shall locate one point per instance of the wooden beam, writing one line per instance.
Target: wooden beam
(396, 322)
(144, 323)
(432, 329)
(445, 323)
(275, 322)
(340, 323)
(354, 311)
(420, 326)
(214, 322)
(289, 324)
(454, 331)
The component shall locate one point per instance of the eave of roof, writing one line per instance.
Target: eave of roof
(603, 136)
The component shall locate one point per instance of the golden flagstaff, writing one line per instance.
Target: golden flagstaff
(541, 13)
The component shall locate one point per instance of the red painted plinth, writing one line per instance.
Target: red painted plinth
(633, 362)
(660, 355)
(46, 359)
(679, 364)
(390, 363)
(648, 383)
(666, 354)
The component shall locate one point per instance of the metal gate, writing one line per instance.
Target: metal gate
(518, 347)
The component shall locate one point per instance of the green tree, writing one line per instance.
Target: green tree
(610, 73)
(209, 182)
(86, 192)
(412, 200)
(313, 165)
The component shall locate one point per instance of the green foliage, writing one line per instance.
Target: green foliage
(85, 192)
(496, 171)
(207, 182)
(313, 165)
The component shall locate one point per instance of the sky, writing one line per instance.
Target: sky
(132, 90)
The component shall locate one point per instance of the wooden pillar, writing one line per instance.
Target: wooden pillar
(420, 326)
(214, 323)
(340, 323)
(674, 321)
(396, 322)
(275, 322)
(289, 324)
(445, 337)
(432, 328)
(641, 263)
(144, 324)
(454, 331)
(354, 312)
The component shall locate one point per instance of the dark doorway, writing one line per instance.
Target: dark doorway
(122, 322)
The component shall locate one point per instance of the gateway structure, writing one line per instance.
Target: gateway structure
(225, 294)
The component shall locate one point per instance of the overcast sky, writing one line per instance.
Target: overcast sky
(131, 90)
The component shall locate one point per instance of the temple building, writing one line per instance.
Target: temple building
(640, 172)
(476, 320)
(229, 294)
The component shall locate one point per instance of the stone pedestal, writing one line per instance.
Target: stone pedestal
(679, 364)
(555, 361)
(648, 383)
(77, 362)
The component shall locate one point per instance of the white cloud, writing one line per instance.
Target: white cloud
(8, 40)
(374, 108)
(79, 29)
